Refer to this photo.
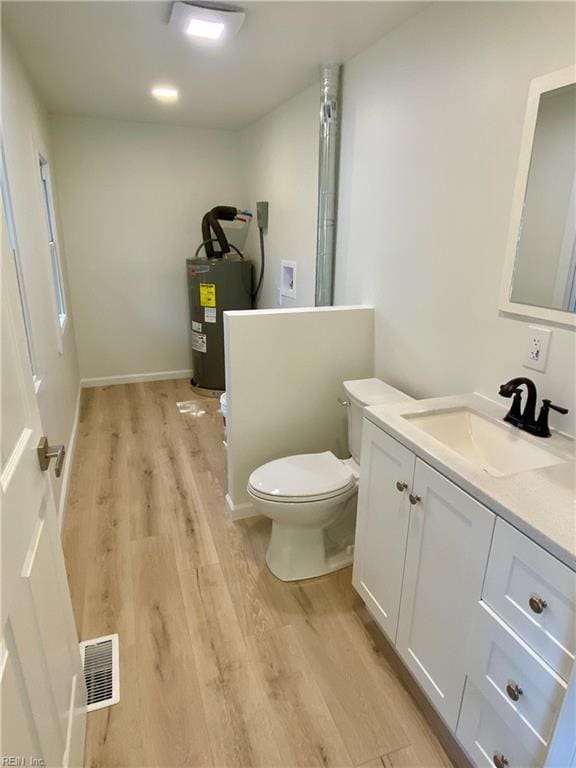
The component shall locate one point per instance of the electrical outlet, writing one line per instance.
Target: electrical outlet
(536, 355)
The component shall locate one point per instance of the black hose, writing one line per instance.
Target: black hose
(205, 243)
(262, 264)
(211, 224)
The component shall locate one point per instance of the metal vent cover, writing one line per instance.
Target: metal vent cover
(100, 659)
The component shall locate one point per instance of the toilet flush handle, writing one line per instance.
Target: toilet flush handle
(345, 403)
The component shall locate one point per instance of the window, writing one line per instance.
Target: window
(53, 243)
(11, 231)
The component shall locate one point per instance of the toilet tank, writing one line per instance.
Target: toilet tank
(360, 393)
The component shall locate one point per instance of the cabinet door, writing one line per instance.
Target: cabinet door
(382, 525)
(448, 542)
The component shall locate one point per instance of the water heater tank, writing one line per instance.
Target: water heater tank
(214, 286)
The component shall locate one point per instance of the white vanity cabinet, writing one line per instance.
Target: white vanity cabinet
(382, 527)
(484, 618)
(431, 553)
(448, 543)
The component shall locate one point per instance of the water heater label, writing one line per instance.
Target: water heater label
(209, 315)
(207, 295)
(196, 326)
(198, 341)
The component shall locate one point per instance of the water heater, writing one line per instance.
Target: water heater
(214, 286)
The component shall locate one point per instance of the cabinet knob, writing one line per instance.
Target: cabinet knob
(537, 604)
(514, 691)
(414, 499)
(401, 486)
(499, 760)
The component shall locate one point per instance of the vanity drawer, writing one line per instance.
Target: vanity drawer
(535, 594)
(518, 685)
(489, 740)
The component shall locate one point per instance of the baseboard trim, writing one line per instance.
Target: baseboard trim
(70, 449)
(240, 511)
(135, 378)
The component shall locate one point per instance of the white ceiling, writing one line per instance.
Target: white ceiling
(100, 58)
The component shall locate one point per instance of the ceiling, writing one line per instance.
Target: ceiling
(100, 59)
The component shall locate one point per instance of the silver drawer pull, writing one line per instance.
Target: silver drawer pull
(537, 604)
(401, 486)
(514, 691)
(499, 760)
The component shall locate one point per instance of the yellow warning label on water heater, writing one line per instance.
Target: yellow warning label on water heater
(207, 295)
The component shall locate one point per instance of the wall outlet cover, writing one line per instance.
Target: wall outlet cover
(288, 279)
(536, 356)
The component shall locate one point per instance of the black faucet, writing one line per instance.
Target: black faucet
(527, 420)
(514, 416)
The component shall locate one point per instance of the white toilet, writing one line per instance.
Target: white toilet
(311, 497)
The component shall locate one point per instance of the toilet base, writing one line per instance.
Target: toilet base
(296, 553)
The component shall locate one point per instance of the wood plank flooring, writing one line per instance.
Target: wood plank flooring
(222, 665)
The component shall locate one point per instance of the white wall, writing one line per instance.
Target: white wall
(25, 135)
(280, 400)
(133, 196)
(281, 156)
(433, 115)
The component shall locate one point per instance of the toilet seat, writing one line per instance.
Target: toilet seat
(302, 478)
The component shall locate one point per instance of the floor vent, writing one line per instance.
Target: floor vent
(100, 659)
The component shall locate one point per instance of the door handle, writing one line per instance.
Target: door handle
(48, 452)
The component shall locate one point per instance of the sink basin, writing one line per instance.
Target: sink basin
(492, 446)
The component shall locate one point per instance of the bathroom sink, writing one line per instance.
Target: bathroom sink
(495, 447)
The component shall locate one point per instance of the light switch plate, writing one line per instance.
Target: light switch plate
(536, 356)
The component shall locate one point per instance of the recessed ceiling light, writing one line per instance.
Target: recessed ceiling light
(207, 21)
(165, 93)
(211, 30)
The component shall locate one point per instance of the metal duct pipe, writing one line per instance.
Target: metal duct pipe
(327, 183)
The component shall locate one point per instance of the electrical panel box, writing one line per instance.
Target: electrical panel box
(262, 215)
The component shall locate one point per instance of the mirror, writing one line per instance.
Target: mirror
(541, 274)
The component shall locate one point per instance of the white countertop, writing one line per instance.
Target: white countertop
(541, 503)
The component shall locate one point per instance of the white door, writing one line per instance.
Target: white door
(42, 688)
(448, 542)
(382, 524)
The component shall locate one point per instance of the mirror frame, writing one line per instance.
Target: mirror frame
(538, 86)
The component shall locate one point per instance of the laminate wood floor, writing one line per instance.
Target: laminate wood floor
(221, 664)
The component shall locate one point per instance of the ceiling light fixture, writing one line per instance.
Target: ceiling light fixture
(211, 30)
(207, 21)
(165, 93)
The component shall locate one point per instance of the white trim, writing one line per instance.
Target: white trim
(13, 460)
(70, 726)
(562, 748)
(240, 511)
(297, 310)
(134, 378)
(71, 447)
(538, 86)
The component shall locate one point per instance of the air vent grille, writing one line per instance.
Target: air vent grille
(100, 660)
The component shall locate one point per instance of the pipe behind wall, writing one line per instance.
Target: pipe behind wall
(327, 183)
